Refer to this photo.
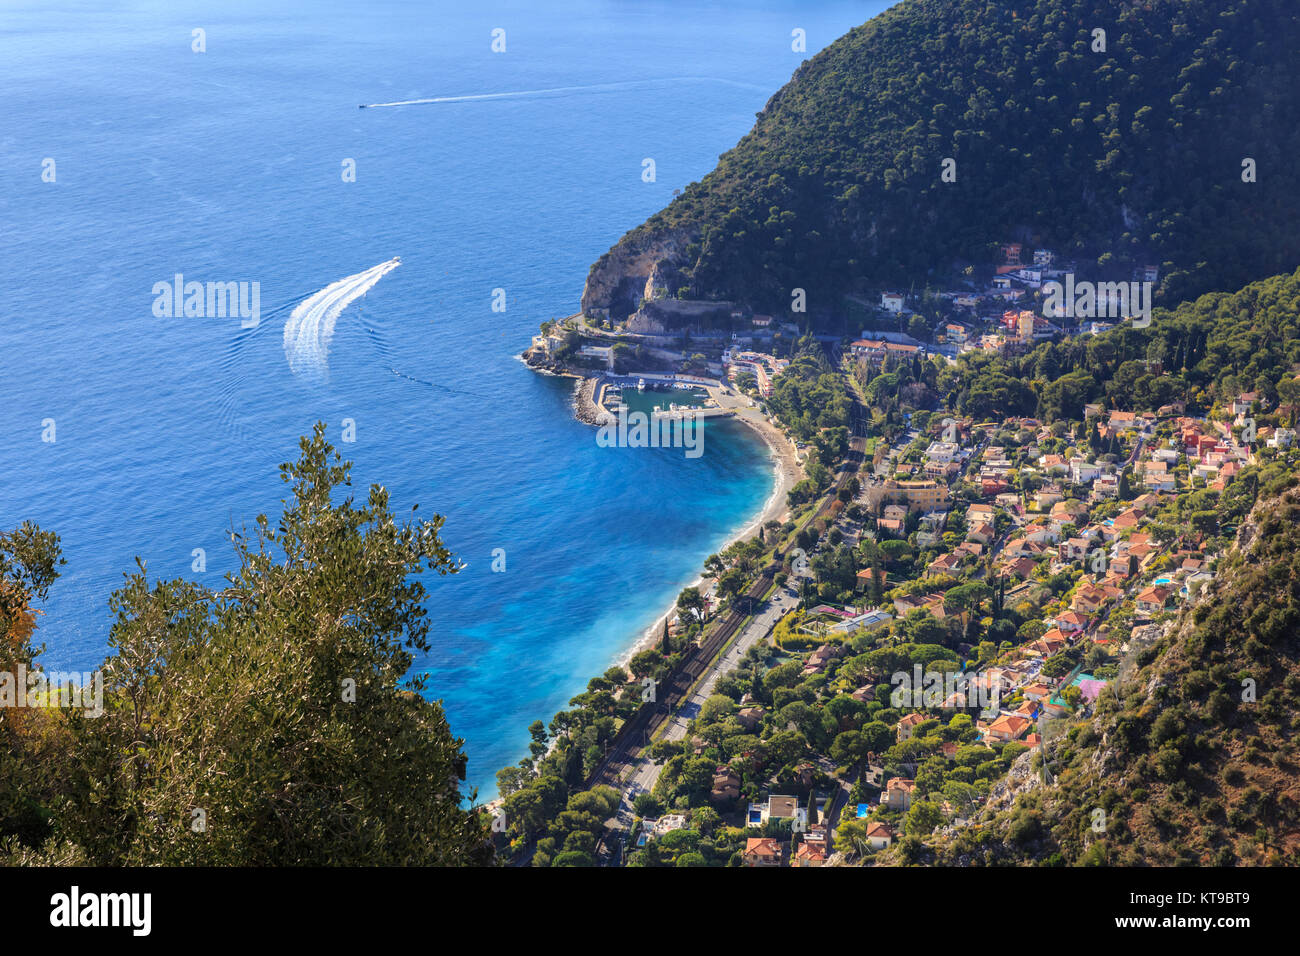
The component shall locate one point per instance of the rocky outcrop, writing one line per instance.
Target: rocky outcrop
(642, 266)
(536, 357)
(1021, 778)
(663, 316)
(540, 354)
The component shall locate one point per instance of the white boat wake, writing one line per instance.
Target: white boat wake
(310, 327)
(560, 90)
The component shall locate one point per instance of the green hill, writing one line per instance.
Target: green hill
(1204, 351)
(1132, 155)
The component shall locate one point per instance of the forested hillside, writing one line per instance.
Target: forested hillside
(1129, 156)
(1203, 352)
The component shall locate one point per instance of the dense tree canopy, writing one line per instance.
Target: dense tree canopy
(1128, 156)
(270, 722)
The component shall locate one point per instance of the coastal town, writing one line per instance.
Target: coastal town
(1001, 308)
(845, 436)
(1091, 554)
(1098, 572)
(726, 361)
(938, 600)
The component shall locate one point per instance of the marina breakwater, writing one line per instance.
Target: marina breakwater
(587, 402)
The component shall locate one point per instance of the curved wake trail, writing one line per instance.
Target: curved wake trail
(230, 394)
(557, 90)
(310, 327)
(440, 388)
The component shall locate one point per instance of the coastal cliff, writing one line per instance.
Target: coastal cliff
(640, 267)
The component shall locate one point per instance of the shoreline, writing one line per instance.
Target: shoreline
(786, 472)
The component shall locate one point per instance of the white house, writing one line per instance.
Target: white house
(1195, 581)
(1159, 481)
(668, 823)
(1282, 438)
(879, 834)
(1242, 403)
(944, 451)
(602, 352)
(1205, 471)
(1083, 472)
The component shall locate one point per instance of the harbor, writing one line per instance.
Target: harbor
(599, 399)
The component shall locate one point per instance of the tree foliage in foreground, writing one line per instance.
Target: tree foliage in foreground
(271, 722)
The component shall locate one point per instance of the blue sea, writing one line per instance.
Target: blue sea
(227, 165)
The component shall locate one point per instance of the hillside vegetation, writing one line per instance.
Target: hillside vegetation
(1204, 351)
(1128, 156)
(270, 722)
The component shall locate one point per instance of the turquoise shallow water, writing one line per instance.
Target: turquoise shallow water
(226, 166)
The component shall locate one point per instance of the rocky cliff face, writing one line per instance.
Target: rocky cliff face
(666, 316)
(639, 267)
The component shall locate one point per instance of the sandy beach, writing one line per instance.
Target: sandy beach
(786, 472)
